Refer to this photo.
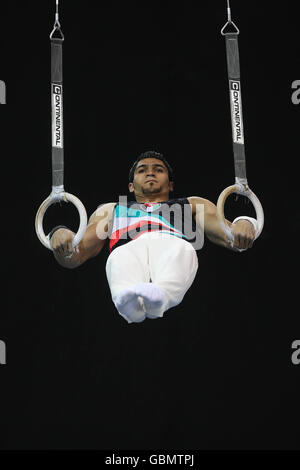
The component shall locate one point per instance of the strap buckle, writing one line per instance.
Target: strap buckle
(229, 23)
(57, 28)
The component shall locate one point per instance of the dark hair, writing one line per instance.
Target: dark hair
(151, 154)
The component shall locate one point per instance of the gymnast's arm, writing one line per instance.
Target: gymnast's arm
(91, 244)
(243, 230)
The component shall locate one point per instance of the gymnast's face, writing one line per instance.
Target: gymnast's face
(151, 181)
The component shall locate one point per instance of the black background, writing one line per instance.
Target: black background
(216, 371)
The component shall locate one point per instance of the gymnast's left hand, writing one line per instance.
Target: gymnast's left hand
(244, 234)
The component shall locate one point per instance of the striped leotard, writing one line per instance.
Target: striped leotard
(132, 219)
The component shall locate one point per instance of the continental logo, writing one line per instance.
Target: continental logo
(57, 116)
(236, 112)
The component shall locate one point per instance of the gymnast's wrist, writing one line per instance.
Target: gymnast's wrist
(52, 232)
(250, 219)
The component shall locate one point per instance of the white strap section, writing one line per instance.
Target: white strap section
(250, 219)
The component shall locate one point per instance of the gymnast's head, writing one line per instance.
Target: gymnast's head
(151, 177)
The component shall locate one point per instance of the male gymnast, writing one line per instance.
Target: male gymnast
(152, 260)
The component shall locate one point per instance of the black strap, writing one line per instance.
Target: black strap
(57, 113)
(234, 79)
(57, 39)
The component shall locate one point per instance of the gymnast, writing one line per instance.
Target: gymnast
(152, 262)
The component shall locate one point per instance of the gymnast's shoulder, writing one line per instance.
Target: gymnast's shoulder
(209, 207)
(104, 211)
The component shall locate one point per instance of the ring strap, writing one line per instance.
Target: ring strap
(57, 113)
(233, 68)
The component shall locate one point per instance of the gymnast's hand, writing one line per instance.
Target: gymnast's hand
(61, 242)
(244, 234)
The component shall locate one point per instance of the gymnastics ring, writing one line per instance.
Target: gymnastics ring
(67, 197)
(239, 189)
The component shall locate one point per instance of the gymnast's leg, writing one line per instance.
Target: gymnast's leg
(126, 268)
(169, 262)
(173, 264)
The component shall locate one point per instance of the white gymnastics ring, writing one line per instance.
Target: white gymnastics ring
(239, 189)
(67, 197)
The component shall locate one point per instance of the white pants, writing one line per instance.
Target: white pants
(166, 260)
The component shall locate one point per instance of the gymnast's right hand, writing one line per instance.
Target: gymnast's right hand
(61, 242)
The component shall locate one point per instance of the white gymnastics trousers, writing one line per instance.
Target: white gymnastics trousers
(165, 260)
